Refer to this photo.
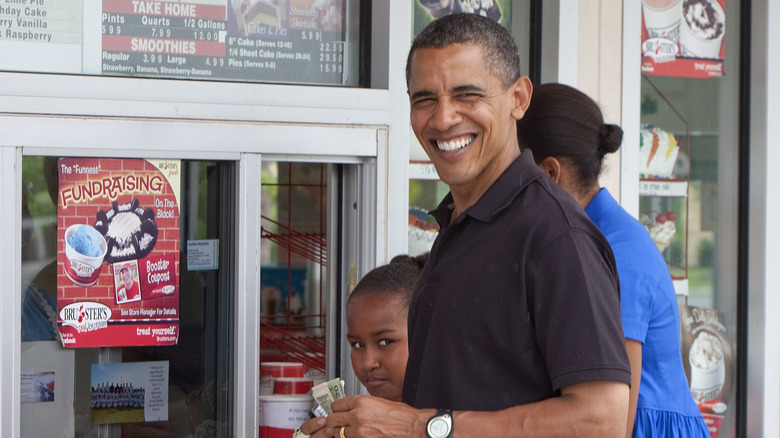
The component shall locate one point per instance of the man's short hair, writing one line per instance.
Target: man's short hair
(499, 48)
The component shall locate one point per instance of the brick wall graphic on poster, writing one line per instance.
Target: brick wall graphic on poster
(118, 252)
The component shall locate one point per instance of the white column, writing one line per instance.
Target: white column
(247, 303)
(560, 25)
(10, 288)
(763, 349)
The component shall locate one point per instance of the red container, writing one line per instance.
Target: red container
(280, 415)
(292, 385)
(270, 371)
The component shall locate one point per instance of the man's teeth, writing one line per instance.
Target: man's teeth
(453, 145)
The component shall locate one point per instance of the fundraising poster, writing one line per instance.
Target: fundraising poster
(118, 252)
(683, 38)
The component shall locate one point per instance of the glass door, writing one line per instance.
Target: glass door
(689, 177)
(90, 388)
(311, 217)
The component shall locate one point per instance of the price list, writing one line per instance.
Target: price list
(152, 38)
(203, 41)
(304, 57)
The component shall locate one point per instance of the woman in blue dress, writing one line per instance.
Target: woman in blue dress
(565, 131)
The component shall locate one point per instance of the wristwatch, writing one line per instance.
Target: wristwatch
(440, 425)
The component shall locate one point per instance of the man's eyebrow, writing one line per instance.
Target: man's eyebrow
(469, 87)
(458, 89)
(421, 94)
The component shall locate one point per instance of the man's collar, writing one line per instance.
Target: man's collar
(498, 196)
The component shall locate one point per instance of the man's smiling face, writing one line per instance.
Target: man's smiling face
(463, 116)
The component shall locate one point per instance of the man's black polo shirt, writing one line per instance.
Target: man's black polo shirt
(518, 299)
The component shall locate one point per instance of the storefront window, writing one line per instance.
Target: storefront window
(139, 384)
(277, 41)
(688, 184)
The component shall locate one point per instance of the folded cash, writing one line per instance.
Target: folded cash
(299, 434)
(326, 393)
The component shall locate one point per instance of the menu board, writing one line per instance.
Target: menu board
(49, 21)
(289, 41)
(286, 41)
(35, 34)
(118, 252)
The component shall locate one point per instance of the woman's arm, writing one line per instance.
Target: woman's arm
(634, 350)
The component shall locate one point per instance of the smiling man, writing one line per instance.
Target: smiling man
(514, 327)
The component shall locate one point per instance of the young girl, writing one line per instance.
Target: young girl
(376, 325)
(377, 328)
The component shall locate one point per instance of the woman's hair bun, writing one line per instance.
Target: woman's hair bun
(610, 138)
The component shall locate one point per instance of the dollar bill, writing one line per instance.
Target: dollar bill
(326, 393)
(299, 434)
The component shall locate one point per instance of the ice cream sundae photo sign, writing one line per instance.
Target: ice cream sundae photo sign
(118, 252)
(709, 363)
(683, 38)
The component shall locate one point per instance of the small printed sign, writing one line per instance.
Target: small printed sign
(37, 387)
(202, 255)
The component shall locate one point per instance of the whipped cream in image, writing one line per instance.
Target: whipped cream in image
(122, 227)
(703, 18)
(706, 351)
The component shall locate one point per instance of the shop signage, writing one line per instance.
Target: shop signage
(683, 38)
(709, 363)
(295, 41)
(38, 34)
(292, 41)
(118, 252)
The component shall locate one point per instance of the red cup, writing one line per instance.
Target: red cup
(292, 385)
(270, 371)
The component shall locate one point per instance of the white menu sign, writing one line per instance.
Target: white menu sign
(49, 29)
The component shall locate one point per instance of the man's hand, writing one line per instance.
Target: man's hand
(366, 416)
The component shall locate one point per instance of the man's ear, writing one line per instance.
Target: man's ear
(552, 168)
(522, 90)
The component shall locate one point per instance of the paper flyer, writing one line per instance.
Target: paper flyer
(129, 392)
(709, 363)
(37, 387)
(118, 252)
(683, 38)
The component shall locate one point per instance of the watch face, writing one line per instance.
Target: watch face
(440, 426)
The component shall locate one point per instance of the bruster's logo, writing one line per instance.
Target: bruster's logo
(85, 316)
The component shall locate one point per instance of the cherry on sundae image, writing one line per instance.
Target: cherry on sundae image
(660, 226)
